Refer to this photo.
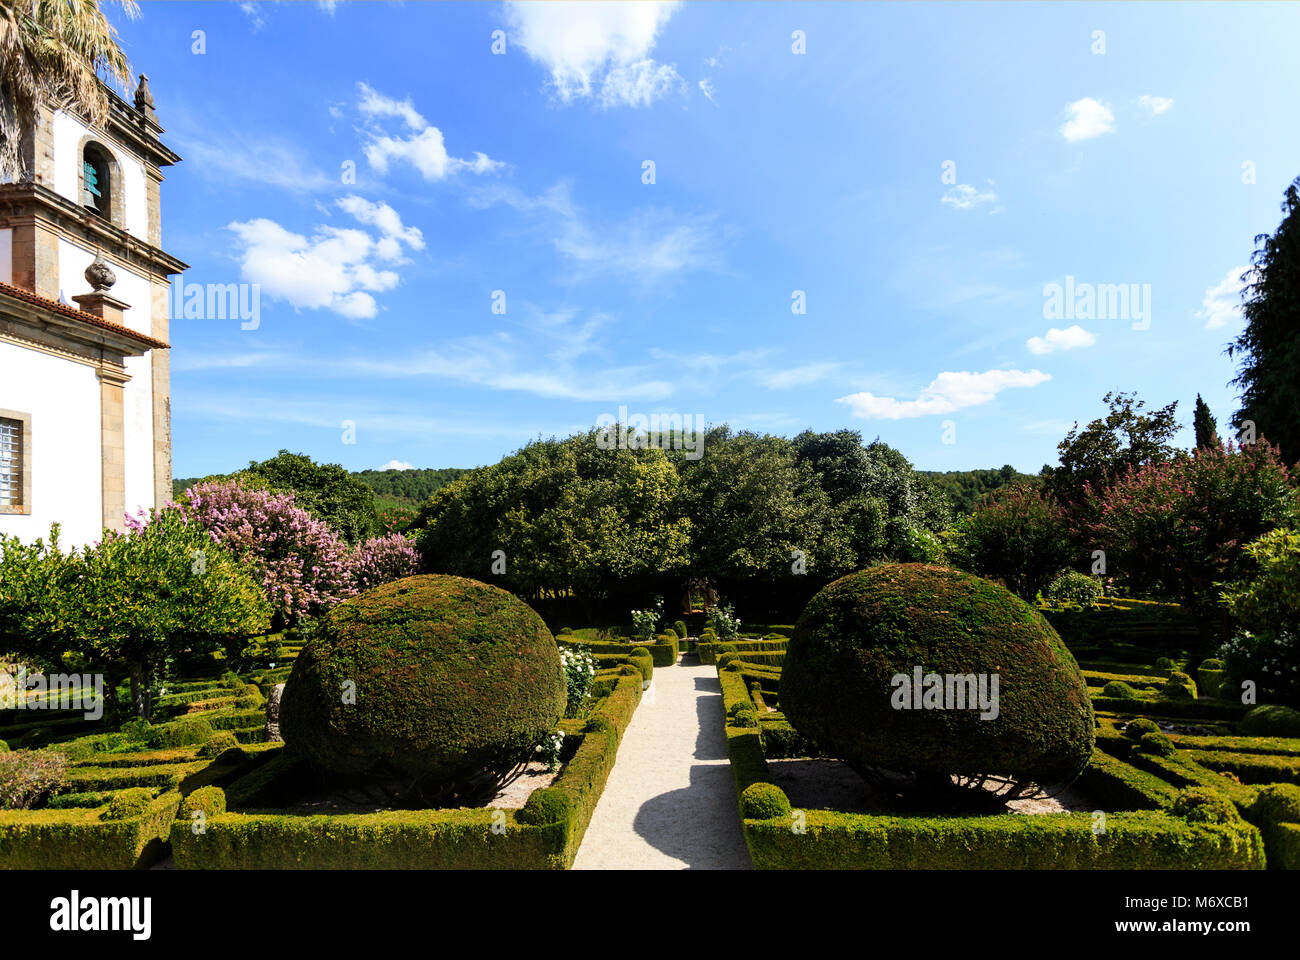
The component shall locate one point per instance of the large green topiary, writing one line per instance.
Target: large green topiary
(863, 630)
(1270, 720)
(452, 677)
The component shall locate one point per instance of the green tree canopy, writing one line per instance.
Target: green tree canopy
(1269, 346)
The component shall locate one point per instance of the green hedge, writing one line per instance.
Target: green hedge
(88, 839)
(249, 838)
(664, 654)
(1251, 768)
(709, 651)
(1171, 709)
(1131, 841)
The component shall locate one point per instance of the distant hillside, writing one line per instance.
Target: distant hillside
(402, 486)
(964, 487)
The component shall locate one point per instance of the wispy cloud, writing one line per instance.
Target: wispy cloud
(947, 393)
(963, 196)
(1154, 106)
(1222, 303)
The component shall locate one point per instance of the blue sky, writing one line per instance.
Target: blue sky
(921, 172)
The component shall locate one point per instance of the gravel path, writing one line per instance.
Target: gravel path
(670, 803)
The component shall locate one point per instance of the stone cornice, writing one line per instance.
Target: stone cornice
(39, 203)
(29, 325)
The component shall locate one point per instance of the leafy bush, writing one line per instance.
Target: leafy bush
(325, 490)
(450, 676)
(723, 622)
(1177, 529)
(579, 667)
(29, 776)
(644, 623)
(1075, 587)
(1270, 720)
(679, 627)
(764, 801)
(1017, 534)
(860, 633)
(1266, 647)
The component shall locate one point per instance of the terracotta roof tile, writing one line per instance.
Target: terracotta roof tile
(54, 306)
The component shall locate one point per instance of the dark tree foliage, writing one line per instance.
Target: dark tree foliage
(964, 488)
(1207, 428)
(1269, 346)
(1110, 446)
(414, 485)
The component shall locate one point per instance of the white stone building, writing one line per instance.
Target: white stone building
(85, 394)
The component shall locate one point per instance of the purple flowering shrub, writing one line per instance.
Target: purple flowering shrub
(383, 559)
(304, 566)
(302, 563)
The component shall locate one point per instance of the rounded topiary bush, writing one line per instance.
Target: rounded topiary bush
(1179, 686)
(437, 678)
(548, 805)
(860, 633)
(211, 800)
(764, 801)
(1270, 720)
(1119, 690)
(1157, 744)
(1164, 663)
(1276, 803)
(128, 804)
(219, 743)
(1140, 727)
(1203, 805)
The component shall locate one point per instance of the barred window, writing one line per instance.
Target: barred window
(11, 462)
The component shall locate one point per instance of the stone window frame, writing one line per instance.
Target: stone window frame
(25, 419)
(116, 186)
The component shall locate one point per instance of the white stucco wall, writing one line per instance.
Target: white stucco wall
(68, 131)
(62, 399)
(6, 255)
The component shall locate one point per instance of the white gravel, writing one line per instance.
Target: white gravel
(670, 803)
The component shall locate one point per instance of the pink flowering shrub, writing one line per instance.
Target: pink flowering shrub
(1177, 529)
(383, 559)
(304, 566)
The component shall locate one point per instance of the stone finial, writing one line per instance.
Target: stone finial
(144, 97)
(100, 275)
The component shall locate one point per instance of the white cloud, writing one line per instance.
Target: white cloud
(335, 269)
(397, 465)
(425, 149)
(706, 88)
(384, 218)
(1071, 338)
(947, 393)
(1222, 302)
(963, 196)
(1154, 105)
(374, 104)
(591, 48)
(1088, 118)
